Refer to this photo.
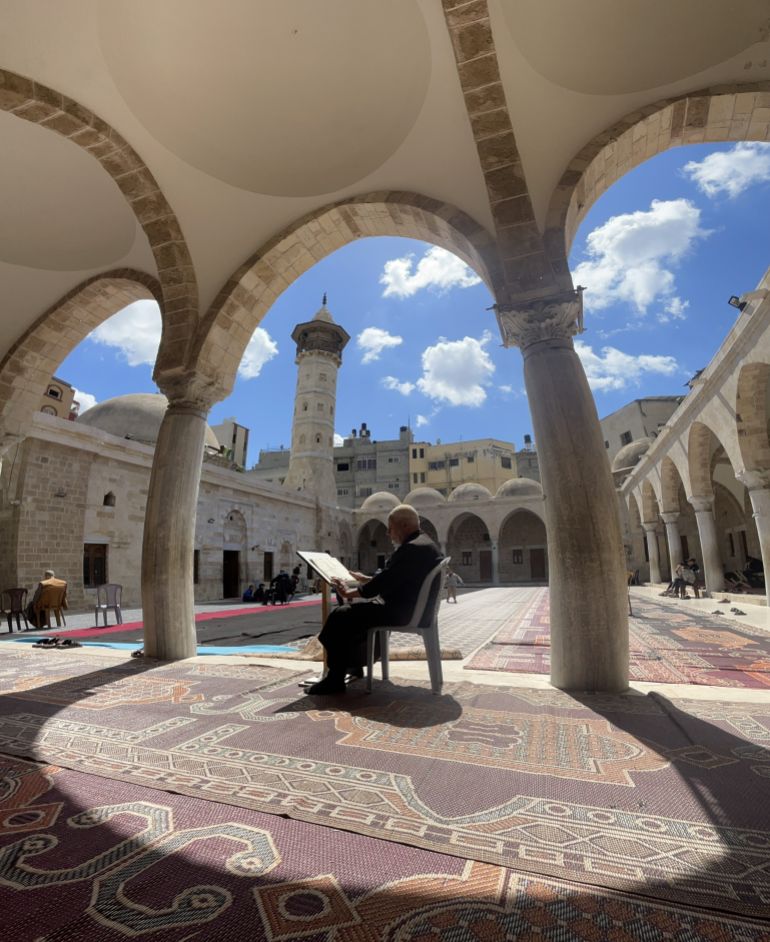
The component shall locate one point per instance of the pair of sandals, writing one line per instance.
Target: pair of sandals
(57, 643)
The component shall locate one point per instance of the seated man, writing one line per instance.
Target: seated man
(35, 609)
(248, 595)
(397, 585)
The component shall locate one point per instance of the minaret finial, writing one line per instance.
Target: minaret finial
(323, 303)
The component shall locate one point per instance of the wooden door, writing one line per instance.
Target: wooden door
(537, 564)
(485, 565)
(231, 574)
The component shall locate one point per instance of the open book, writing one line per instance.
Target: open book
(327, 567)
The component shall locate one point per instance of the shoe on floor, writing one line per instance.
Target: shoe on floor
(717, 611)
(737, 611)
(47, 643)
(354, 673)
(328, 687)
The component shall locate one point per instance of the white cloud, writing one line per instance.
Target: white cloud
(438, 270)
(134, 332)
(390, 382)
(373, 340)
(456, 371)
(731, 171)
(259, 350)
(613, 369)
(86, 400)
(631, 255)
(338, 440)
(506, 389)
(674, 310)
(421, 420)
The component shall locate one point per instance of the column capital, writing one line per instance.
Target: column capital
(700, 504)
(650, 525)
(189, 394)
(755, 480)
(670, 516)
(524, 323)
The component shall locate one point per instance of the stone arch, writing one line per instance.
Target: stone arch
(753, 414)
(29, 364)
(650, 509)
(371, 544)
(234, 530)
(521, 532)
(702, 447)
(345, 543)
(178, 296)
(250, 292)
(670, 483)
(427, 526)
(468, 543)
(697, 117)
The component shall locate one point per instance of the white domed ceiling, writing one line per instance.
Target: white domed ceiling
(275, 97)
(59, 210)
(609, 47)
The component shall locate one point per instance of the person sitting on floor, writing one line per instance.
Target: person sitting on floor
(36, 609)
(398, 585)
(259, 593)
(248, 595)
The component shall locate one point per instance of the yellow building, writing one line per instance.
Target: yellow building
(443, 466)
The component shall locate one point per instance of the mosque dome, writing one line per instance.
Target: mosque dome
(424, 497)
(470, 491)
(136, 416)
(631, 454)
(380, 502)
(519, 487)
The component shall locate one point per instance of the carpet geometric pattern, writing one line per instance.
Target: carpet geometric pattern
(84, 859)
(661, 798)
(669, 647)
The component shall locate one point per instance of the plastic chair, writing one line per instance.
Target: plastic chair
(17, 606)
(108, 597)
(429, 632)
(52, 599)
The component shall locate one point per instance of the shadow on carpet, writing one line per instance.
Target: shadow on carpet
(661, 798)
(84, 858)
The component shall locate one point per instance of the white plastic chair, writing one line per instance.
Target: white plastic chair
(429, 632)
(108, 597)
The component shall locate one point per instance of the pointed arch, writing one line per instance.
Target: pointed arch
(697, 117)
(32, 101)
(251, 290)
(28, 366)
(753, 415)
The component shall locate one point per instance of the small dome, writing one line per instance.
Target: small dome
(470, 491)
(424, 497)
(136, 416)
(631, 454)
(519, 487)
(380, 502)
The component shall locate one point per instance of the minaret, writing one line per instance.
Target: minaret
(320, 343)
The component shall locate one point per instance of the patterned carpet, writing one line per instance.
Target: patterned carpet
(664, 799)
(666, 646)
(84, 859)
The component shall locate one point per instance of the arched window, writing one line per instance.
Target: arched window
(304, 407)
(109, 499)
(49, 410)
(318, 439)
(54, 392)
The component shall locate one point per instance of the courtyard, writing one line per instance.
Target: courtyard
(212, 799)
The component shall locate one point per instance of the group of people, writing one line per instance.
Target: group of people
(686, 574)
(280, 591)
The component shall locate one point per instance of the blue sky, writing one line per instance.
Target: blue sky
(660, 254)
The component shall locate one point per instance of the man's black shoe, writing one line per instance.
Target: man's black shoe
(329, 686)
(355, 673)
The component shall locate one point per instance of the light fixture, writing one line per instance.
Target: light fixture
(735, 301)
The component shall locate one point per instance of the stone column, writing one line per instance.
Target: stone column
(589, 610)
(673, 538)
(759, 495)
(495, 564)
(169, 530)
(651, 529)
(713, 572)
